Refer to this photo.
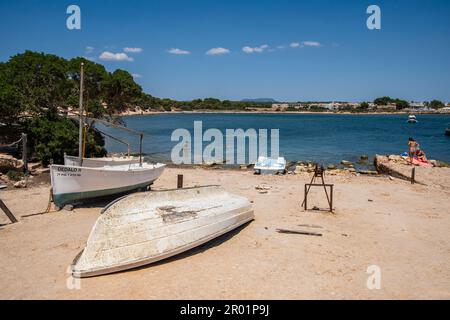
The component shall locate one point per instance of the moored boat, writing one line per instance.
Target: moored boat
(144, 228)
(73, 183)
(270, 166)
(100, 162)
(412, 119)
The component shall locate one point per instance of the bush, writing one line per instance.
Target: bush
(15, 175)
(50, 136)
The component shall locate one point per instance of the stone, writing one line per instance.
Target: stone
(364, 157)
(300, 169)
(368, 172)
(395, 158)
(331, 167)
(346, 163)
(263, 187)
(68, 207)
(20, 184)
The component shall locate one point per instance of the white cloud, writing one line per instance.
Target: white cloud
(312, 44)
(133, 50)
(109, 56)
(295, 45)
(281, 47)
(178, 51)
(217, 51)
(259, 49)
(89, 49)
(136, 75)
(90, 58)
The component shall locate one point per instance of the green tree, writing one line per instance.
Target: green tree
(95, 76)
(50, 136)
(401, 104)
(436, 104)
(364, 105)
(39, 81)
(121, 91)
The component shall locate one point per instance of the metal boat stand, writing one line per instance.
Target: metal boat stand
(318, 173)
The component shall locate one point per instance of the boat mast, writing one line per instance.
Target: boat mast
(80, 137)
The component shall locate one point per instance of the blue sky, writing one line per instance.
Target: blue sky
(337, 57)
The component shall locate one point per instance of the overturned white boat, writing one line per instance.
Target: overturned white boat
(144, 228)
(72, 183)
(100, 162)
(270, 166)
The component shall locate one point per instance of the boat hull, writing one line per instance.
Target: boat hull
(100, 162)
(71, 184)
(270, 166)
(144, 228)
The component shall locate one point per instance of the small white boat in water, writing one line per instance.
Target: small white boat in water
(270, 166)
(73, 183)
(144, 228)
(412, 119)
(100, 162)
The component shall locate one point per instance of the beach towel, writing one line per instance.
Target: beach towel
(425, 164)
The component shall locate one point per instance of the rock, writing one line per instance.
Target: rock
(331, 167)
(68, 207)
(346, 163)
(8, 163)
(364, 157)
(263, 187)
(34, 166)
(434, 163)
(20, 184)
(300, 169)
(395, 158)
(368, 172)
(352, 170)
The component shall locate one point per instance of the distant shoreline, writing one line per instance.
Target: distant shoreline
(151, 113)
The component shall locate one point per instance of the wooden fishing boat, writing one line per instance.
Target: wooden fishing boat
(73, 183)
(270, 166)
(78, 180)
(144, 228)
(100, 162)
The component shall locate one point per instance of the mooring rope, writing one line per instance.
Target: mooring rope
(11, 144)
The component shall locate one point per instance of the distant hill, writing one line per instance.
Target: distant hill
(260, 100)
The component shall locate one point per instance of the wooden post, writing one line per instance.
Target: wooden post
(140, 149)
(7, 212)
(25, 152)
(305, 201)
(331, 198)
(413, 176)
(180, 181)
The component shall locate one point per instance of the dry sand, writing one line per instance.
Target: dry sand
(402, 228)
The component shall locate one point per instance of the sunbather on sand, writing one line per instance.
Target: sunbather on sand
(421, 156)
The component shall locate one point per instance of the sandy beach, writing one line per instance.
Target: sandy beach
(399, 227)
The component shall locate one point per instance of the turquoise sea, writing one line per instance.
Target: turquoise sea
(321, 138)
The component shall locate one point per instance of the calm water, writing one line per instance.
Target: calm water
(321, 138)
